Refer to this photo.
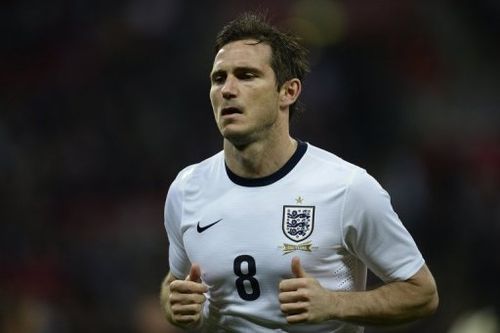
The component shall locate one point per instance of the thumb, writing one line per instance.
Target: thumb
(297, 269)
(194, 274)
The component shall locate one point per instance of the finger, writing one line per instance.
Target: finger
(291, 297)
(292, 284)
(177, 298)
(189, 309)
(194, 273)
(297, 269)
(186, 319)
(187, 287)
(293, 308)
(297, 318)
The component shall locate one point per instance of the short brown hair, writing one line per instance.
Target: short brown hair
(288, 59)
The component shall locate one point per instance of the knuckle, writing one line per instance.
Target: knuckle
(173, 298)
(174, 308)
(174, 285)
(302, 293)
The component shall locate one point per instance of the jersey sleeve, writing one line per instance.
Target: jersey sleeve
(178, 259)
(373, 232)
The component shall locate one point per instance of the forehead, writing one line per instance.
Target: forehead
(243, 53)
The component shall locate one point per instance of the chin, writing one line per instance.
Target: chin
(237, 138)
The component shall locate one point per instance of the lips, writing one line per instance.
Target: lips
(230, 110)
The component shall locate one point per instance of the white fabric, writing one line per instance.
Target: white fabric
(353, 227)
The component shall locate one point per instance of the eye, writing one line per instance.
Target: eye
(247, 76)
(218, 78)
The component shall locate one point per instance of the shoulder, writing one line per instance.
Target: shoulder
(359, 184)
(326, 164)
(195, 173)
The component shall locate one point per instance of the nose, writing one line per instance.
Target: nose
(229, 89)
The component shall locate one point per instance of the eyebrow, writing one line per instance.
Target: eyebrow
(219, 71)
(248, 69)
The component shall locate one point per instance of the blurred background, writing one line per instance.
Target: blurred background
(103, 102)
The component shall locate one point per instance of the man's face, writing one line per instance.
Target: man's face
(243, 91)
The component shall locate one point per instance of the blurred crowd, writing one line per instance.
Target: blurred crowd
(103, 102)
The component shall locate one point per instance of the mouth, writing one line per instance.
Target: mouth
(230, 111)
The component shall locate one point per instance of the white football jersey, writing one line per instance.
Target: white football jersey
(244, 232)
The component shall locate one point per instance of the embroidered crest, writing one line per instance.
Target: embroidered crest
(289, 248)
(298, 222)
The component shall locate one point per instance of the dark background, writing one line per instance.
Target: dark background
(103, 102)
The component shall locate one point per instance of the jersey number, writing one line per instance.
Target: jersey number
(247, 286)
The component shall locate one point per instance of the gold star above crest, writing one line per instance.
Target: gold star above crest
(299, 200)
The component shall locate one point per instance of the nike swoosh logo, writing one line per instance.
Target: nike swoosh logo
(200, 229)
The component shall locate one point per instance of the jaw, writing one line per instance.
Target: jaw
(236, 134)
(242, 134)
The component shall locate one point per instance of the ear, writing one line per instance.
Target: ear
(289, 92)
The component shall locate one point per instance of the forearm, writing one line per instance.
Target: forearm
(392, 303)
(386, 305)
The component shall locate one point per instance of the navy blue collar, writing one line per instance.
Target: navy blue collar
(267, 180)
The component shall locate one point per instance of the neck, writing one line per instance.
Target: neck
(260, 158)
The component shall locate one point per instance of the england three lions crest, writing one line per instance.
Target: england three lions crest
(298, 222)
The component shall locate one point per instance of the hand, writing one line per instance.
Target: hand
(302, 298)
(186, 298)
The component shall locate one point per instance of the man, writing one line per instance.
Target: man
(274, 234)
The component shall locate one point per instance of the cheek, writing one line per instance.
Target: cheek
(213, 99)
(268, 99)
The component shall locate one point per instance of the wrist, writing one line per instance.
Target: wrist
(337, 303)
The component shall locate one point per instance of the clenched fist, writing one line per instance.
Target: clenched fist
(302, 298)
(184, 299)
